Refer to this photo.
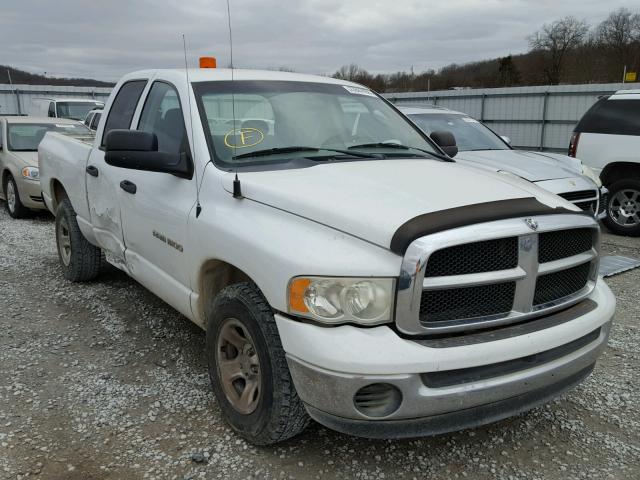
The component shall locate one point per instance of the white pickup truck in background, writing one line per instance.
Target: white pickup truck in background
(344, 269)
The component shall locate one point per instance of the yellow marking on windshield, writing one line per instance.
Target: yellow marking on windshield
(243, 137)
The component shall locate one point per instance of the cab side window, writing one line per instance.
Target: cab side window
(52, 110)
(162, 114)
(123, 107)
(95, 121)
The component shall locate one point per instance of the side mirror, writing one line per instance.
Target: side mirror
(446, 141)
(505, 139)
(137, 150)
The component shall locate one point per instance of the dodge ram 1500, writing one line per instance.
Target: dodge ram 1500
(343, 267)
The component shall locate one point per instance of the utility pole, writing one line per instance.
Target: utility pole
(16, 92)
(624, 74)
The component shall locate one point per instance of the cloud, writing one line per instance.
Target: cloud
(106, 39)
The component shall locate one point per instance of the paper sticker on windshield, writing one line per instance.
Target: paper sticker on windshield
(64, 125)
(359, 90)
(243, 137)
(470, 120)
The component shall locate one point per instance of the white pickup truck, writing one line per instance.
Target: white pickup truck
(343, 268)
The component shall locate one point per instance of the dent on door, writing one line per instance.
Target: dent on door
(107, 225)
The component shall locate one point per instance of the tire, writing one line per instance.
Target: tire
(275, 412)
(623, 209)
(80, 260)
(13, 204)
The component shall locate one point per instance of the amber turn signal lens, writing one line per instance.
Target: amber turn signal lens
(296, 294)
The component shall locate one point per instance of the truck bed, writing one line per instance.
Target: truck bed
(63, 158)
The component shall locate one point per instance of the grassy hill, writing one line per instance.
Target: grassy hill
(20, 77)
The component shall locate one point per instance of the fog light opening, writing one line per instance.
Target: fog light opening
(377, 400)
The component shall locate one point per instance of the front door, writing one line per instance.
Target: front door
(156, 207)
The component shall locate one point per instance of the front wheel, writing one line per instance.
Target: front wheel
(623, 209)
(15, 206)
(248, 368)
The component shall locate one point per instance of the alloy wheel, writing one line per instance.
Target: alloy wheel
(11, 197)
(64, 241)
(238, 366)
(624, 208)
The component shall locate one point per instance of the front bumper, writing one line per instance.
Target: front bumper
(30, 194)
(475, 383)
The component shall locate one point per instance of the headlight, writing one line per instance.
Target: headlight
(32, 173)
(588, 172)
(366, 301)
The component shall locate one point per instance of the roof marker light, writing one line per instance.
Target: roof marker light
(207, 62)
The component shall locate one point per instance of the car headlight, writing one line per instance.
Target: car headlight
(367, 301)
(31, 173)
(588, 172)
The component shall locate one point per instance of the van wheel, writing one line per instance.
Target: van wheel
(14, 205)
(623, 210)
(248, 368)
(80, 260)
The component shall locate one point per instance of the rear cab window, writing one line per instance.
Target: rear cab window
(612, 116)
(123, 107)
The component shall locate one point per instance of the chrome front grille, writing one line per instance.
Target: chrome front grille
(467, 302)
(564, 243)
(586, 200)
(487, 256)
(451, 284)
(555, 286)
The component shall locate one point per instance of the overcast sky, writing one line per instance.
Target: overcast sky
(104, 39)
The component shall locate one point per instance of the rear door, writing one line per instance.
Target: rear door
(103, 181)
(155, 215)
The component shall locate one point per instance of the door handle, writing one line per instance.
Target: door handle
(93, 171)
(128, 186)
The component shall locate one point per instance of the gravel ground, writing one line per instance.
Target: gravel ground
(104, 381)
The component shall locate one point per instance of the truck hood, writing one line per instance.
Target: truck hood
(532, 166)
(30, 159)
(372, 199)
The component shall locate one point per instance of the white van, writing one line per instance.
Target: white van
(73, 108)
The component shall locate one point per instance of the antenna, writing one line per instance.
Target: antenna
(193, 149)
(237, 189)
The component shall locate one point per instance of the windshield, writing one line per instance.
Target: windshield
(470, 134)
(75, 110)
(25, 137)
(319, 120)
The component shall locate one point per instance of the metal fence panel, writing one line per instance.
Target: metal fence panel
(540, 117)
(17, 99)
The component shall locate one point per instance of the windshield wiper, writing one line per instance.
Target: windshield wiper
(399, 146)
(294, 148)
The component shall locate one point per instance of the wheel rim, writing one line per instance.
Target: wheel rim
(238, 366)
(11, 196)
(624, 208)
(64, 241)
